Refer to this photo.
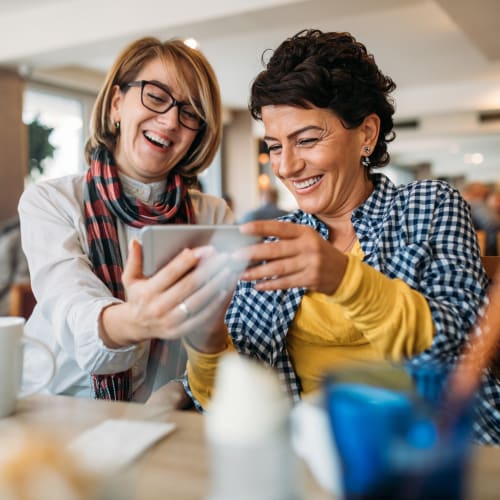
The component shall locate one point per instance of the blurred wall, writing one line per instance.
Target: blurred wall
(13, 142)
(239, 163)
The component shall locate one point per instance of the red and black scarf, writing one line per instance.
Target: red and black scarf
(104, 204)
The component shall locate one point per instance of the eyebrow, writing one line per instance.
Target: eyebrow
(295, 133)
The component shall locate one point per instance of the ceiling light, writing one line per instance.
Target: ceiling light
(192, 42)
(474, 158)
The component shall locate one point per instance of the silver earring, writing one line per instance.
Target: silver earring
(365, 160)
(117, 127)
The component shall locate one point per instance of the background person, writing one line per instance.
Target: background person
(268, 208)
(156, 125)
(492, 222)
(364, 271)
(13, 265)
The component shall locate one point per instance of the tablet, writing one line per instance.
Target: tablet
(161, 243)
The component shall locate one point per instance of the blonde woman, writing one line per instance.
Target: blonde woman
(156, 125)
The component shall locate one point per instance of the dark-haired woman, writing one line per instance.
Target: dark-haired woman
(363, 270)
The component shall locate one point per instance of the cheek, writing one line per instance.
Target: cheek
(275, 165)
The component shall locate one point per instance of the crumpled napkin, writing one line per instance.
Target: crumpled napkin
(112, 444)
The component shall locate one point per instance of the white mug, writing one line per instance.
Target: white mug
(12, 339)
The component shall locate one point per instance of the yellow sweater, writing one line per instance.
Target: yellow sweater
(369, 317)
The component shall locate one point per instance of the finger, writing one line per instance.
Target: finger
(178, 267)
(270, 250)
(223, 283)
(201, 322)
(280, 283)
(274, 268)
(133, 267)
(189, 284)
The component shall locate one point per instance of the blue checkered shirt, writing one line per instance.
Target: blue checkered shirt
(420, 233)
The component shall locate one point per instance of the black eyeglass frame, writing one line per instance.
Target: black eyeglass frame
(173, 104)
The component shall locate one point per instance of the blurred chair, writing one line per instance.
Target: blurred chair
(491, 263)
(22, 300)
(481, 239)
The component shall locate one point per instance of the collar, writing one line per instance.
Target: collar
(148, 193)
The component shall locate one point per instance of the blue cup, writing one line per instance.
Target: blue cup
(392, 439)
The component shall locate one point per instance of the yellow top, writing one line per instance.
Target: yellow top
(382, 319)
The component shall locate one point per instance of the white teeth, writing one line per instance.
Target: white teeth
(157, 139)
(307, 183)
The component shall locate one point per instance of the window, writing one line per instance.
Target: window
(65, 114)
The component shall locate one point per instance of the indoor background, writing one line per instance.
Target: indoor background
(444, 56)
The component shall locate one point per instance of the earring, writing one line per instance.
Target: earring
(117, 127)
(365, 160)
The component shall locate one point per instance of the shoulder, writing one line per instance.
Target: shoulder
(426, 192)
(210, 209)
(60, 187)
(63, 195)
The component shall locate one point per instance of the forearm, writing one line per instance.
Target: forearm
(202, 369)
(395, 319)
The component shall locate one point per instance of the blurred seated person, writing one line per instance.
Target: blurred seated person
(476, 193)
(364, 270)
(492, 225)
(268, 207)
(13, 264)
(156, 125)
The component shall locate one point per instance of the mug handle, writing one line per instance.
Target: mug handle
(46, 382)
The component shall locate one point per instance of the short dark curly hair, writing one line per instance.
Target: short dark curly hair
(328, 70)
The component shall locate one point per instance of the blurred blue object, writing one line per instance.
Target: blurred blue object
(393, 443)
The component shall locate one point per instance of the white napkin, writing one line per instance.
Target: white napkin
(312, 440)
(113, 444)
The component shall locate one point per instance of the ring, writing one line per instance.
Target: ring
(184, 308)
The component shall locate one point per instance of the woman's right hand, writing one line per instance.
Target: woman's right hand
(200, 278)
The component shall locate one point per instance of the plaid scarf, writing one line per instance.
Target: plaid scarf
(104, 203)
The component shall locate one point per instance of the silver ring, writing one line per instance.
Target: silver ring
(184, 308)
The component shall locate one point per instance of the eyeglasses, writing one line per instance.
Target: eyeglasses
(158, 99)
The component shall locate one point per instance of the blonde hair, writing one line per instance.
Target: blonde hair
(195, 78)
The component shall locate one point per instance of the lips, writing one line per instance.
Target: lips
(157, 140)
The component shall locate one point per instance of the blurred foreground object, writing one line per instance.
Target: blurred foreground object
(37, 467)
(390, 439)
(248, 433)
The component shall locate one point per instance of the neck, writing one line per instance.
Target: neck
(342, 234)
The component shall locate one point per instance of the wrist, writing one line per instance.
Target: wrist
(208, 343)
(115, 327)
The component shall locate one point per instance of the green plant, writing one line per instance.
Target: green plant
(40, 147)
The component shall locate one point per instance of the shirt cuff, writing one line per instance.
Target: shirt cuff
(202, 369)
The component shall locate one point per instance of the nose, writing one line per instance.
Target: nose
(170, 119)
(287, 164)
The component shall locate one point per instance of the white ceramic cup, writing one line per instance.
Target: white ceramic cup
(12, 339)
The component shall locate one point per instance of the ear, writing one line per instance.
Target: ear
(370, 129)
(116, 102)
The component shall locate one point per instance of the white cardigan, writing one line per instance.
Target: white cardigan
(70, 297)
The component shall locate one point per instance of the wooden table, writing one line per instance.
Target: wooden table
(177, 467)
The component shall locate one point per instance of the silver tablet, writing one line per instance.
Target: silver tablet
(160, 243)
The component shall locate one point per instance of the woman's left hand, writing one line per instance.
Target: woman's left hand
(299, 258)
(172, 395)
